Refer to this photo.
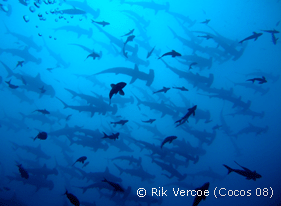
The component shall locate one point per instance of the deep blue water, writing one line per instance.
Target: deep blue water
(45, 48)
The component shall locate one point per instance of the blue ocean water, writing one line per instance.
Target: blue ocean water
(61, 61)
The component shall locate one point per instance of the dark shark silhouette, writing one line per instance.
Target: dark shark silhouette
(198, 198)
(172, 53)
(95, 55)
(150, 52)
(73, 11)
(121, 122)
(191, 111)
(271, 31)
(103, 23)
(149, 121)
(42, 111)
(129, 39)
(251, 129)
(165, 89)
(206, 21)
(41, 136)
(85, 7)
(116, 186)
(274, 39)
(20, 63)
(260, 80)
(134, 73)
(24, 174)
(250, 175)
(129, 33)
(113, 136)
(72, 198)
(170, 169)
(254, 36)
(206, 37)
(131, 159)
(80, 159)
(12, 86)
(116, 88)
(168, 139)
(181, 88)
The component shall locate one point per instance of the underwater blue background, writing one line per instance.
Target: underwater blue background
(55, 60)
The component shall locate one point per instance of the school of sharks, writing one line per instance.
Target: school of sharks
(103, 99)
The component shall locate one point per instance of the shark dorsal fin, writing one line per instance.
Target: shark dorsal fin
(136, 67)
(38, 76)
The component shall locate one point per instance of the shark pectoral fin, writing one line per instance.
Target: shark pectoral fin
(133, 80)
(121, 92)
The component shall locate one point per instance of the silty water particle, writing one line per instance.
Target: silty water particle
(26, 18)
(4, 8)
(32, 9)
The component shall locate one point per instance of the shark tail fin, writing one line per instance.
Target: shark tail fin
(196, 159)
(119, 168)
(150, 77)
(105, 135)
(228, 168)
(10, 73)
(65, 105)
(90, 32)
(252, 80)
(23, 115)
(138, 100)
(84, 189)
